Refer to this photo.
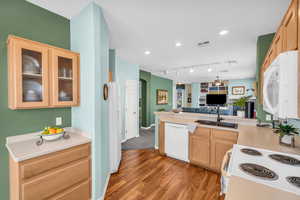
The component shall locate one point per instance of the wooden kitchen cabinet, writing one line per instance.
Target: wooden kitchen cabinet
(64, 78)
(41, 76)
(199, 150)
(286, 37)
(221, 142)
(61, 175)
(278, 41)
(290, 27)
(28, 74)
(161, 139)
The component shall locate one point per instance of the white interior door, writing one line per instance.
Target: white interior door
(131, 109)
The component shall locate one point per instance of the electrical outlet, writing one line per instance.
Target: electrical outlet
(268, 117)
(58, 121)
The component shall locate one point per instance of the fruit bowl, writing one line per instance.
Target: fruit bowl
(51, 134)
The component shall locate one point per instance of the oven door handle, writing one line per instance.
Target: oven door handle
(225, 163)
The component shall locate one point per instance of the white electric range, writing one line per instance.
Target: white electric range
(274, 169)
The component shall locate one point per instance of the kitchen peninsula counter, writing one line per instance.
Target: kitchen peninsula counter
(248, 135)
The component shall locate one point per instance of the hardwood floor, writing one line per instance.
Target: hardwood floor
(145, 175)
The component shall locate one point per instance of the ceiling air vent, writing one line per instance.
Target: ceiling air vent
(224, 71)
(203, 44)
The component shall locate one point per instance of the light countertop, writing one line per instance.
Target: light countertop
(23, 147)
(249, 135)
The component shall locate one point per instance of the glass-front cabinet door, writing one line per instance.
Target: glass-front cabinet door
(28, 74)
(64, 76)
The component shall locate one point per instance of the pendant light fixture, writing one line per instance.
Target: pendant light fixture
(218, 82)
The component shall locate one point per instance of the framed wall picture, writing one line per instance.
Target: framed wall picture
(238, 90)
(161, 97)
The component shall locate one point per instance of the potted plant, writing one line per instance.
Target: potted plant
(287, 134)
(241, 102)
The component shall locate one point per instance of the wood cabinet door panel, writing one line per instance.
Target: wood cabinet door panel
(224, 135)
(202, 132)
(28, 73)
(50, 184)
(199, 150)
(64, 78)
(36, 166)
(218, 151)
(290, 28)
(278, 42)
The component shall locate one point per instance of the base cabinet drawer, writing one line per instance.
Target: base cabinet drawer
(79, 192)
(46, 163)
(62, 175)
(52, 183)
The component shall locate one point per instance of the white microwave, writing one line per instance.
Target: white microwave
(280, 89)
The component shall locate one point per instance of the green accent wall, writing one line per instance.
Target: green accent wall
(160, 83)
(153, 83)
(263, 44)
(146, 77)
(24, 19)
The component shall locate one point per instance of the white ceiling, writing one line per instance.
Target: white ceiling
(156, 25)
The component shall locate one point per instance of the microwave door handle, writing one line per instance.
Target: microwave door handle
(265, 96)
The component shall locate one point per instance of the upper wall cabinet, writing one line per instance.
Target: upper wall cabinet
(278, 41)
(65, 78)
(286, 38)
(290, 27)
(41, 76)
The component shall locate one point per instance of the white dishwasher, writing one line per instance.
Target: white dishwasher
(177, 141)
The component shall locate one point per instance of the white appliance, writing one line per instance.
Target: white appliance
(271, 89)
(274, 169)
(225, 174)
(131, 109)
(281, 86)
(177, 141)
(114, 115)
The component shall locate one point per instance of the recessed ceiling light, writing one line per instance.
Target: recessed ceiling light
(191, 70)
(147, 52)
(223, 32)
(178, 44)
(209, 69)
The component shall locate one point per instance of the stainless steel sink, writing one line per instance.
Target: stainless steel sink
(221, 124)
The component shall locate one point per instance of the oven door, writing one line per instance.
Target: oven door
(225, 172)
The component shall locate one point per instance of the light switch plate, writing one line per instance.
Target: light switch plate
(58, 121)
(268, 117)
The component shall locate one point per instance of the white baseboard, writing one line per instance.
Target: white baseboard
(147, 128)
(105, 188)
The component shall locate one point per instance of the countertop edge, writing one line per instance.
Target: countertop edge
(30, 156)
(32, 136)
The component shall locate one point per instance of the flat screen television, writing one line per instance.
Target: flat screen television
(216, 99)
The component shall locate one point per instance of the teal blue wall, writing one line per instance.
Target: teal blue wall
(20, 18)
(89, 37)
(248, 83)
(195, 94)
(124, 71)
(112, 63)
